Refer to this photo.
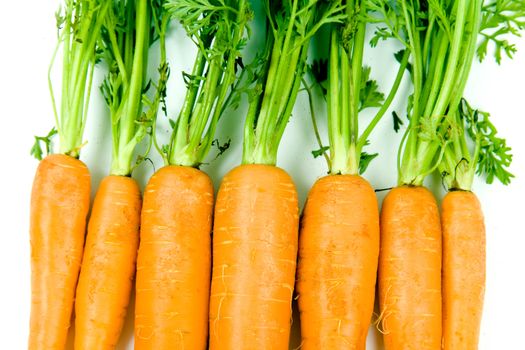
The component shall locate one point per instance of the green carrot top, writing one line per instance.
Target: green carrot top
(78, 25)
(350, 90)
(129, 29)
(219, 29)
(277, 72)
(442, 39)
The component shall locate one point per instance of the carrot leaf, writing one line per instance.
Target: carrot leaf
(351, 88)
(489, 157)
(365, 160)
(321, 151)
(501, 19)
(279, 71)
(397, 121)
(219, 29)
(79, 26)
(443, 39)
(36, 150)
(132, 97)
(369, 95)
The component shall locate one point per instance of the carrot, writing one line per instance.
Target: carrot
(108, 265)
(463, 270)
(442, 49)
(59, 206)
(173, 267)
(463, 223)
(174, 259)
(256, 214)
(338, 256)
(339, 238)
(410, 270)
(254, 259)
(61, 188)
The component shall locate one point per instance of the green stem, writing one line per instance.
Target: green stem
(357, 63)
(409, 161)
(309, 92)
(451, 71)
(386, 104)
(296, 21)
(79, 37)
(333, 102)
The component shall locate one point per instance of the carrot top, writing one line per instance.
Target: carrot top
(129, 30)
(78, 26)
(277, 71)
(442, 40)
(350, 90)
(219, 29)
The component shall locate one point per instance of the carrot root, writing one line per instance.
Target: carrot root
(254, 259)
(59, 207)
(410, 270)
(108, 265)
(463, 270)
(338, 257)
(174, 261)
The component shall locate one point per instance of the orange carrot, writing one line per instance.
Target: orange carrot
(463, 270)
(110, 259)
(108, 265)
(254, 259)
(338, 256)
(174, 259)
(410, 270)
(59, 206)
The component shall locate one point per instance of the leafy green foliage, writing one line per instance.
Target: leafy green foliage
(494, 154)
(365, 160)
(78, 28)
(348, 87)
(280, 69)
(204, 20)
(397, 121)
(443, 39)
(36, 150)
(219, 28)
(351, 87)
(388, 17)
(320, 152)
(501, 19)
(133, 98)
(369, 95)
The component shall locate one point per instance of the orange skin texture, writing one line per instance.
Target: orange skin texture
(59, 207)
(463, 270)
(254, 259)
(410, 270)
(338, 257)
(108, 265)
(174, 261)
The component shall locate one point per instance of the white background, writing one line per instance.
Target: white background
(27, 39)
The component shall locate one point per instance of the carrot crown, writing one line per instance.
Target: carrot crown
(350, 90)
(277, 72)
(129, 30)
(219, 29)
(442, 40)
(475, 147)
(79, 24)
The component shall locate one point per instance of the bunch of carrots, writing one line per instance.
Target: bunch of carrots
(223, 273)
